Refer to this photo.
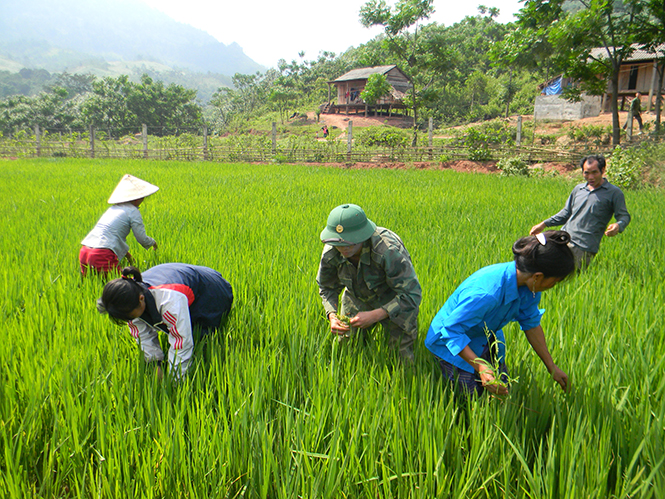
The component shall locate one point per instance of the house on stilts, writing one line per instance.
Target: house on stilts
(349, 86)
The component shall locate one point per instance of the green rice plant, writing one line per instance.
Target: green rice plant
(501, 379)
(273, 406)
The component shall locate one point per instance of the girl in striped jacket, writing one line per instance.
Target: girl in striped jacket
(173, 298)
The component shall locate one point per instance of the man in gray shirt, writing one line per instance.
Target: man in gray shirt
(588, 211)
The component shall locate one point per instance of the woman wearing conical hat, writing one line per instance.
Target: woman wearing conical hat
(106, 244)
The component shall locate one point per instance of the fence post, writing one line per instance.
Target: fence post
(629, 128)
(274, 138)
(205, 142)
(653, 83)
(349, 140)
(144, 136)
(92, 141)
(518, 138)
(430, 127)
(38, 141)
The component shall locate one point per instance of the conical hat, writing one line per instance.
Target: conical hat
(131, 188)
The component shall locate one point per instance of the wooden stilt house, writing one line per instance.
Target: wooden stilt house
(349, 86)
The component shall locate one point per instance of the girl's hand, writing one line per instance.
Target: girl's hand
(491, 384)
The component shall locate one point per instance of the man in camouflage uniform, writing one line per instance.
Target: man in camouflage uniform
(374, 269)
(635, 112)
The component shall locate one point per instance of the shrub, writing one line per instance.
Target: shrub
(383, 136)
(478, 139)
(515, 166)
(596, 134)
(625, 167)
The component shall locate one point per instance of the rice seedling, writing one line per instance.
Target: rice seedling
(274, 407)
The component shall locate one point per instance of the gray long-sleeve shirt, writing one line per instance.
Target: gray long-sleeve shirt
(113, 227)
(587, 213)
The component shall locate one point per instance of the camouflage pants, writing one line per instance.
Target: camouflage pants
(399, 337)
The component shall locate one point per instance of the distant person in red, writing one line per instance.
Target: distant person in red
(106, 244)
(325, 131)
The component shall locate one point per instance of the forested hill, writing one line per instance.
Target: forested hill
(66, 34)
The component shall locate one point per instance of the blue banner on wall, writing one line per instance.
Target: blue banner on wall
(554, 88)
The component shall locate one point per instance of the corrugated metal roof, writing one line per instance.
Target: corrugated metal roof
(364, 73)
(638, 55)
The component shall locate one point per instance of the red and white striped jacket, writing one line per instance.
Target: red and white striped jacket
(173, 306)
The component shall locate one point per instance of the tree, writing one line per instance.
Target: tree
(527, 44)
(165, 109)
(651, 18)
(403, 42)
(281, 98)
(377, 86)
(589, 44)
(107, 107)
(118, 104)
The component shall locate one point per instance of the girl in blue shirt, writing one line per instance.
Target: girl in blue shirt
(466, 334)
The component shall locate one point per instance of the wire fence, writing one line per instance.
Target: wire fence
(196, 145)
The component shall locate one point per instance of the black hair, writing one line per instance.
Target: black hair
(122, 295)
(594, 158)
(553, 258)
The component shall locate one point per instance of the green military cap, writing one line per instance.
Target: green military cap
(347, 225)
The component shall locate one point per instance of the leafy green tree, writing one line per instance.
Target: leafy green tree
(281, 98)
(575, 39)
(119, 105)
(167, 110)
(401, 26)
(651, 19)
(75, 84)
(377, 86)
(107, 107)
(526, 43)
(51, 111)
(247, 98)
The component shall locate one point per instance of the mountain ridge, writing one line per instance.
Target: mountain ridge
(58, 35)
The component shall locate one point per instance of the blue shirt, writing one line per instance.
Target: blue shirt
(487, 300)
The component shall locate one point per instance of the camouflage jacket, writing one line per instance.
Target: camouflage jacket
(384, 278)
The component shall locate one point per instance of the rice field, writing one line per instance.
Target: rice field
(274, 408)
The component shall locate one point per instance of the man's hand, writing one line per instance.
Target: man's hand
(537, 229)
(612, 230)
(336, 326)
(130, 258)
(366, 319)
(562, 378)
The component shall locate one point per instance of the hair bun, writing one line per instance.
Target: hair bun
(558, 236)
(131, 274)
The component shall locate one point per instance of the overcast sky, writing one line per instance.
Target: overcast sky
(269, 30)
